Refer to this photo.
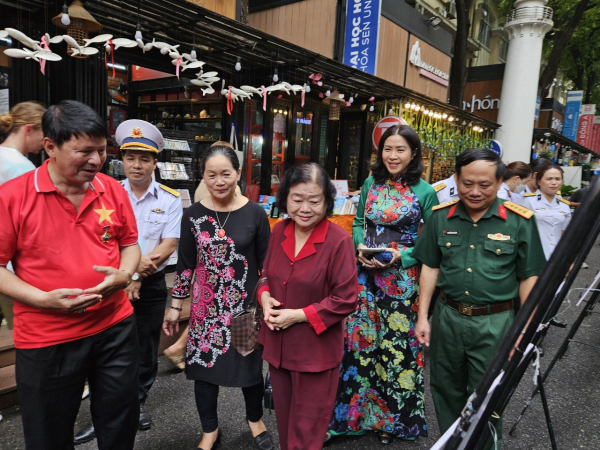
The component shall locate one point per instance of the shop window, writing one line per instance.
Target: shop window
(351, 130)
(485, 25)
(279, 140)
(503, 49)
(303, 124)
(323, 141)
(253, 144)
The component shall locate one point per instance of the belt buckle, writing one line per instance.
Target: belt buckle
(465, 310)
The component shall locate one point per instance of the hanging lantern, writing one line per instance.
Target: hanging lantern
(335, 103)
(82, 23)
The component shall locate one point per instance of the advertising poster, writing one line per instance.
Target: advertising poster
(595, 147)
(586, 125)
(571, 120)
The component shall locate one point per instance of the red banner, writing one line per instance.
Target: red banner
(596, 135)
(586, 125)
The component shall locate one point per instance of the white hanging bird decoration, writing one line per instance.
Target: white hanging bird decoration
(23, 39)
(97, 40)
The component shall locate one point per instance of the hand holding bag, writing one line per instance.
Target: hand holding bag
(245, 326)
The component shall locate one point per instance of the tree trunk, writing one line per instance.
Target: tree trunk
(591, 80)
(458, 71)
(561, 39)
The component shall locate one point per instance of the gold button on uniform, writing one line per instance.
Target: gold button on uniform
(475, 225)
(448, 244)
(469, 270)
(471, 246)
(498, 251)
(466, 292)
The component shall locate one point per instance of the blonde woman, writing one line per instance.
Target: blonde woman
(22, 129)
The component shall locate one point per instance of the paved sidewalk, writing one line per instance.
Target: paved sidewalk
(572, 391)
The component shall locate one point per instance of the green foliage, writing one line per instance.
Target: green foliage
(567, 190)
(546, 155)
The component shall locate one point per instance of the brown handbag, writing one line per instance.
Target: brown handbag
(245, 326)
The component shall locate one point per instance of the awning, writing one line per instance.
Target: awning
(553, 136)
(220, 41)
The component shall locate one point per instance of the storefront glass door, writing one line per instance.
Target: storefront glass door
(303, 129)
(279, 143)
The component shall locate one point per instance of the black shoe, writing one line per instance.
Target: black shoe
(385, 438)
(558, 323)
(263, 441)
(541, 351)
(86, 434)
(145, 420)
(328, 440)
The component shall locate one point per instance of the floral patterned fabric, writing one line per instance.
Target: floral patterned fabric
(221, 273)
(381, 379)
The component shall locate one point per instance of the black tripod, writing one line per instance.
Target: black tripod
(586, 311)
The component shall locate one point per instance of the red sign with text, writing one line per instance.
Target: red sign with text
(382, 126)
(586, 125)
(596, 135)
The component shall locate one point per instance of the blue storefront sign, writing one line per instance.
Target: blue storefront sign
(571, 121)
(362, 34)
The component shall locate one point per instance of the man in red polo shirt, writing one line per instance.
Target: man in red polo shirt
(72, 238)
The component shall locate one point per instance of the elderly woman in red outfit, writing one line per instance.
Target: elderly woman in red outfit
(310, 287)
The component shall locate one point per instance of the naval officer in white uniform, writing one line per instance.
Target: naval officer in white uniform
(552, 212)
(446, 190)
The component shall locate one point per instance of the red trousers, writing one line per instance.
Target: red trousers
(303, 406)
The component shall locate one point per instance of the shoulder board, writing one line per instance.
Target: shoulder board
(566, 202)
(444, 205)
(439, 187)
(169, 190)
(558, 192)
(518, 209)
(529, 194)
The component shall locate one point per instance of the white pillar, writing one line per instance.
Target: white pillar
(525, 26)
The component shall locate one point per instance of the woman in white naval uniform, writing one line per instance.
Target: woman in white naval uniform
(552, 212)
(515, 181)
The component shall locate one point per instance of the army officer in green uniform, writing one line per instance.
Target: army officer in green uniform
(484, 254)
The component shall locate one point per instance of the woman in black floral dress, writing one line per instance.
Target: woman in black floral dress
(224, 240)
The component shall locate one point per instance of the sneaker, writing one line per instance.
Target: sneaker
(584, 266)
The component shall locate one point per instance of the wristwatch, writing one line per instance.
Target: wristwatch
(136, 277)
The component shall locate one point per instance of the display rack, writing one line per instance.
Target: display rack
(178, 162)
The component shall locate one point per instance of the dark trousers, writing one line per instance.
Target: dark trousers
(303, 406)
(149, 313)
(206, 402)
(50, 381)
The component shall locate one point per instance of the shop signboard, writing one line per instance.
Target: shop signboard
(382, 126)
(362, 34)
(595, 147)
(586, 125)
(571, 121)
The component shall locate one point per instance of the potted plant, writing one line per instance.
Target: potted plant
(545, 154)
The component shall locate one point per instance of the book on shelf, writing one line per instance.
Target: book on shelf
(177, 144)
(267, 201)
(343, 205)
